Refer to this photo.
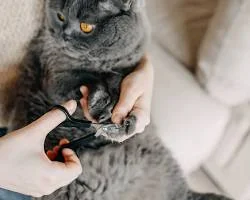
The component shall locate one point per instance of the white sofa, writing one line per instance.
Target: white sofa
(204, 116)
(200, 51)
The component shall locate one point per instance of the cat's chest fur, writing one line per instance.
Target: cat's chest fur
(63, 74)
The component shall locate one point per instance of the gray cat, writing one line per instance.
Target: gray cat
(97, 43)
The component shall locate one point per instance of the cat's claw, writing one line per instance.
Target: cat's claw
(117, 133)
(105, 130)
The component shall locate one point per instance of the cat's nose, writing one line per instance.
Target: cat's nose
(69, 28)
(67, 32)
(66, 37)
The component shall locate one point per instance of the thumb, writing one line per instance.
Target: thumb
(69, 170)
(127, 99)
(50, 120)
(70, 158)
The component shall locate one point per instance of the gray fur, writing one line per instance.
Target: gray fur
(60, 59)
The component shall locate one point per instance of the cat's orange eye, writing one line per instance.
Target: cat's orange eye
(86, 28)
(60, 17)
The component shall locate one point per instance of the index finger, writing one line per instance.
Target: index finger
(50, 120)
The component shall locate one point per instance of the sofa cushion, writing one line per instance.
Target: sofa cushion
(19, 19)
(179, 25)
(224, 57)
(189, 121)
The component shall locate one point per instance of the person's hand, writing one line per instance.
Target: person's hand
(135, 97)
(52, 154)
(24, 166)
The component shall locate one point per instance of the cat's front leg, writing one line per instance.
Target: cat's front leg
(100, 103)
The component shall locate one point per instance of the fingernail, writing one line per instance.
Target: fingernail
(117, 118)
(71, 106)
(83, 89)
(68, 152)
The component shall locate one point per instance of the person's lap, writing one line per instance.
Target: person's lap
(8, 195)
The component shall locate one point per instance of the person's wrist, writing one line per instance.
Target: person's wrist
(4, 170)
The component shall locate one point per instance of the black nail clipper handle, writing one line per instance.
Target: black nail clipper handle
(71, 120)
(74, 145)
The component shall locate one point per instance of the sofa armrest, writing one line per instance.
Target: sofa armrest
(180, 25)
(7, 91)
(224, 55)
(189, 121)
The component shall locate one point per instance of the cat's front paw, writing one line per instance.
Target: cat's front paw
(119, 133)
(100, 104)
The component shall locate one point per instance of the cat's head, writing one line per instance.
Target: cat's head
(99, 27)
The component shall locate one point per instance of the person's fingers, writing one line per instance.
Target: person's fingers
(50, 120)
(127, 100)
(84, 103)
(70, 169)
(143, 119)
(142, 111)
(56, 149)
(136, 85)
(70, 158)
(85, 91)
(51, 155)
(63, 142)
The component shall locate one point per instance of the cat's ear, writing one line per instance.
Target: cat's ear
(116, 5)
(126, 4)
(131, 4)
